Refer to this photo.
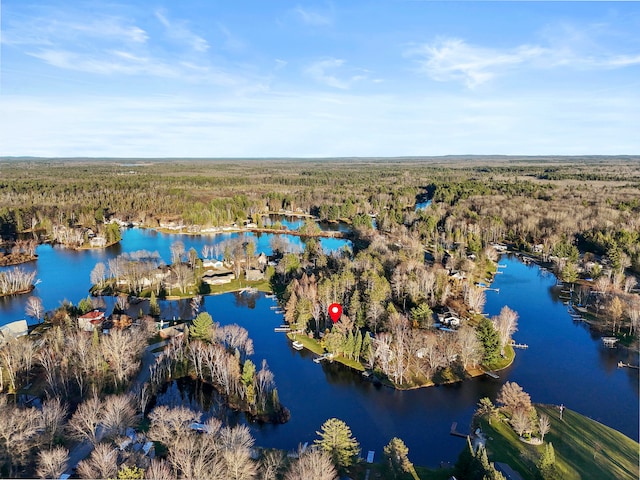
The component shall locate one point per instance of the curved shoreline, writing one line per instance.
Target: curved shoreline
(19, 292)
(11, 263)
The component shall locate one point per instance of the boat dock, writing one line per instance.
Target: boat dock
(627, 365)
(454, 431)
(519, 345)
(324, 356)
(491, 374)
(282, 328)
(609, 342)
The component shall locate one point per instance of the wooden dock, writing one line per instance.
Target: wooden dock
(454, 431)
(627, 365)
(609, 342)
(519, 345)
(491, 374)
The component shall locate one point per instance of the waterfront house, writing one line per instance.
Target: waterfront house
(218, 277)
(212, 263)
(98, 241)
(91, 320)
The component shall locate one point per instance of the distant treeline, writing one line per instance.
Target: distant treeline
(526, 200)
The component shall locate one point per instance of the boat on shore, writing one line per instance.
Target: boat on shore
(297, 345)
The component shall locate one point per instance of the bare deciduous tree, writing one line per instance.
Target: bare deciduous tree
(168, 425)
(98, 274)
(53, 415)
(16, 356)
(85, 420)
(506, 324)
(470, 348)
(52, 463)
(312, 465)
(513, 397)
(103, 463)
(34, 308)
(121, 349)
(238, 463)
(475, 297)
(18, 431)
(159, 470)
(521, 422)
(272, 464)
(117, 415)
(544, 425)
(177, 251)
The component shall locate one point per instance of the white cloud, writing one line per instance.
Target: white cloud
(180, 32)
(66, 27)
(324, 72)
(454, 59)
(312, 17)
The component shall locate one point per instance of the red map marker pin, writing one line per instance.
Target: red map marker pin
(335, 311)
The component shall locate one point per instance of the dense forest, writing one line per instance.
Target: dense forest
(589, 202)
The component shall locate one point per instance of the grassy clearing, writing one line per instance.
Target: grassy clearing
(504, 362)
(309, 343)
(584, 448)
(313, 345)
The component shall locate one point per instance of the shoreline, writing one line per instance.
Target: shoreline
(24, 291)
(11, 262)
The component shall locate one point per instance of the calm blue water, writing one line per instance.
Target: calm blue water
(65, 274)
(564, 363)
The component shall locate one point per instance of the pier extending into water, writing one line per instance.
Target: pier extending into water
(454, 431)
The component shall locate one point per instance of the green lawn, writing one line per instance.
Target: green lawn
(313, 345)
(504, 362)
(584, 448)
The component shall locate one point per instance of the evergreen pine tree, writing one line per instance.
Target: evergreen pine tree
(338, 442)
(202, 327)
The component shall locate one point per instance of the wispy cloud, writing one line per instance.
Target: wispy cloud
(325, 72)
(179, 31)
(454, 59)
(109, 44)
(313, 17)
(106, 63)
(46, 30)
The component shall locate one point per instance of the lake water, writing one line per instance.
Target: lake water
(565, 363)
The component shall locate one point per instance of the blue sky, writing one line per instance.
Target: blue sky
(205, 78)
